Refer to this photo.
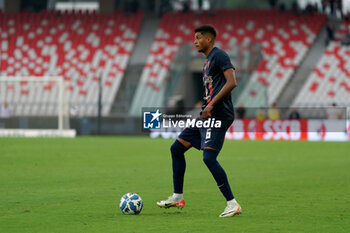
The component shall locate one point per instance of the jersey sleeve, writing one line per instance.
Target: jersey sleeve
(224, 62)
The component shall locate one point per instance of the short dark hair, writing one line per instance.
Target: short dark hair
(206, 29)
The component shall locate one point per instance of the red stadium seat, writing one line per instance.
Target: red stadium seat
(285, 39)
(330, 81)
(79, 46)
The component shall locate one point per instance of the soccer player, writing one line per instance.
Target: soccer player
(219, 80)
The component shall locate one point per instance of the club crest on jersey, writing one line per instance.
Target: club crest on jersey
(209, 79)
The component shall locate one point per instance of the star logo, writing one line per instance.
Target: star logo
(156, 115)
(151, 120)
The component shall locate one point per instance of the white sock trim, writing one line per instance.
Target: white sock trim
(178, 196)
(232, 202)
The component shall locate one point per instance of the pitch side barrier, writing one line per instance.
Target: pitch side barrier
(332, 124)
(309, 130)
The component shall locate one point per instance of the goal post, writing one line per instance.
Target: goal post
(34, 106)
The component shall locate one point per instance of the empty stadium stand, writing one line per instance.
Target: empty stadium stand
(343, 31)
(285, 39)
(330, 80)
(80, 46)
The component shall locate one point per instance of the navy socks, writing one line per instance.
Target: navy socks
(179, 165)
(209, 158)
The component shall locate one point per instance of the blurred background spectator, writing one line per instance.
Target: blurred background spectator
(5, 111)
(241, 111)
(294, 114)
(334, 112)
(260, 114)
(274, 112)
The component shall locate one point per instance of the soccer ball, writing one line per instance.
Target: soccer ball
(131, 203)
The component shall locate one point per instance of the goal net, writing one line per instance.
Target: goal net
(34, 106)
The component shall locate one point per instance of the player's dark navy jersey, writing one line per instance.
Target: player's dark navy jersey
(213, 79)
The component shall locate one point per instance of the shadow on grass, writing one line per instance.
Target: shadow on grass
(161, 213)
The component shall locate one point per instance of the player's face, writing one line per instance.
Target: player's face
(200, 42)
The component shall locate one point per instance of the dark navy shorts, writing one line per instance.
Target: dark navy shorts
(206, 137)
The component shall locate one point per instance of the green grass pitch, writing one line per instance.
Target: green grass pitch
(74, 185)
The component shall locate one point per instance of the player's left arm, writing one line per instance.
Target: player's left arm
(230, 84)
